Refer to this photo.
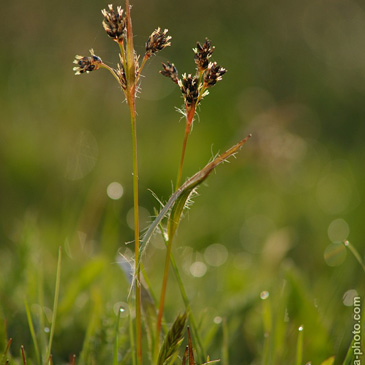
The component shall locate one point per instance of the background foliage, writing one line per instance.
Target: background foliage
(296, 73)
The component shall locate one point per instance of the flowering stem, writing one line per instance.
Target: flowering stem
(169, 241)
(131, 103)
(189, 121)
(131, 99)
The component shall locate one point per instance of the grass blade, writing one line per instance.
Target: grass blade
(185, 355)
(5, 354)
(350, 357)
(201, 351)
(178, 199)
(115, 356)
(329, 361)
(225, 356)
(299, 358)
(55, 303)
(23, 354)
(355, 253)
(191, 351)
(32, 333)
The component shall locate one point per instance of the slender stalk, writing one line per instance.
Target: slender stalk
(162, 298)
(32, 333)
(179, 174)
(200, 348)
(299, 356)
(189, 121)
(355, 253)
(136, 231)
(55, 304)
(190, 112)
(130, 70)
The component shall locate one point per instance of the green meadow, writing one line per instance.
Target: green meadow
(270, 249)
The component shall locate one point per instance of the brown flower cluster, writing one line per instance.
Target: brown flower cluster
(194, 88)
(86, 64)
(115, 24)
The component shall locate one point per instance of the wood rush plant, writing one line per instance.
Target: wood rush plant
(163, 344)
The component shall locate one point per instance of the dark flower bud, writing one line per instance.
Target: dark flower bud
(213, 74)
(114, 22)
(202, 53)
(87, 64)
(157, 41)
(169, 70)
(190, 89)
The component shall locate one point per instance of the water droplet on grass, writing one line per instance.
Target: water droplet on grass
(264, 295)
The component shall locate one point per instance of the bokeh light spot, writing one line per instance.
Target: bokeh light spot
(115, 190)
(338, 230)
(217, 320)
(198, 269)
(335, 254)
(216, 254)
(144, 218)
(348, 297)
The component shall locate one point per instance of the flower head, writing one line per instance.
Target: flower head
(189, 86)
(114, 22)
(202, 53)
(213, 74)
(87, 64)
(169, 70)
(157, 41)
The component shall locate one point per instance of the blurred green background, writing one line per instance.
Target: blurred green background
(267, 221)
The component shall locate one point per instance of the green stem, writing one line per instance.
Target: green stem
(131, 103)
(190, 112)
(162, 300)
(189, 121)
(200, 348)
(355, 253)
(55, 304)
(103, 65)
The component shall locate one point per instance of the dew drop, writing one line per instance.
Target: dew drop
(300, 329)
(120, 309)
(264, 295)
